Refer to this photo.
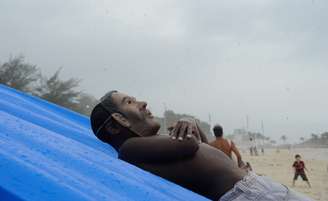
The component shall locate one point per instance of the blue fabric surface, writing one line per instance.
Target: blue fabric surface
(49, 153)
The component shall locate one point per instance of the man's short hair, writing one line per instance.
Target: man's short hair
(101, 116)
(297, 156)
(218, 131)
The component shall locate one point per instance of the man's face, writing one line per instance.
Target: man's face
(298, 159)
(140, 118)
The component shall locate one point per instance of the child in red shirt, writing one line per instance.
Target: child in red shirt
(299, 167)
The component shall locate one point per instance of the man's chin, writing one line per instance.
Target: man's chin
(155, 126)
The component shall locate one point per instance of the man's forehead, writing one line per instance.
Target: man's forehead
(118, 97)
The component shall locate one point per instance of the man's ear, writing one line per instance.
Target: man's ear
(121, 120)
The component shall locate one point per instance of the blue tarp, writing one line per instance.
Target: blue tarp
(49, 153)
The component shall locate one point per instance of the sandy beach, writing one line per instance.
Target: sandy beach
(277, 165)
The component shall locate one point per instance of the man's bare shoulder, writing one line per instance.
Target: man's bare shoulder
(218, 141)
(213, 143)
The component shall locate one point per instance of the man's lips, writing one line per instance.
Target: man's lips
(148, 112)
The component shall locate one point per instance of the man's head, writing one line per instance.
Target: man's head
(119, 116)
(218, 131)
(298, 157)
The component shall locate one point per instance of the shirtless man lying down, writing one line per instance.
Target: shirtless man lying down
(127, 125)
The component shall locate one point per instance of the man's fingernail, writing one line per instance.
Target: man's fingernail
(180, 138)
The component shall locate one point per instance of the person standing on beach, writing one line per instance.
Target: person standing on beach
(225, 145)
(253, 148)
(299, 167)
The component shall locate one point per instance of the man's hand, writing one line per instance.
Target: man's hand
(185, 128)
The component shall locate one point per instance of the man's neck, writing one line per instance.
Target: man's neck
(126, 134)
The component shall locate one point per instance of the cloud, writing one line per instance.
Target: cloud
(265, 59)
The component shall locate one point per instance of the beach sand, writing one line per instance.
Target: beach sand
(278, 167)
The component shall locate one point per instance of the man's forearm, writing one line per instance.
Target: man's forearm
(157, 149)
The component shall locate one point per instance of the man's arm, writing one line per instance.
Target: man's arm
(236, 151)
(157, 149)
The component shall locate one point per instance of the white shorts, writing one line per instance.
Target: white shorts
(260, 188)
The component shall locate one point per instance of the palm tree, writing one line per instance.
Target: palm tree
(283, 138)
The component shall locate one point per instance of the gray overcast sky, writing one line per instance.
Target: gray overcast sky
(266, 59)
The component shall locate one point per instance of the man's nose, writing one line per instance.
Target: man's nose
(143, 104)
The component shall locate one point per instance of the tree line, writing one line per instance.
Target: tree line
(315, 140)
(26, 77)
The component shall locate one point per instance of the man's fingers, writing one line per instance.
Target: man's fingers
(189, 131)
(200, 131)
(196, 133)
(173, 134)
(182, 131)
(170, 131)
(175, 131)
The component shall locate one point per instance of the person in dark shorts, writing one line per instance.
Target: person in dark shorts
(299, 167)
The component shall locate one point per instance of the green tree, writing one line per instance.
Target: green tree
(18, 74)
(61, 92)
